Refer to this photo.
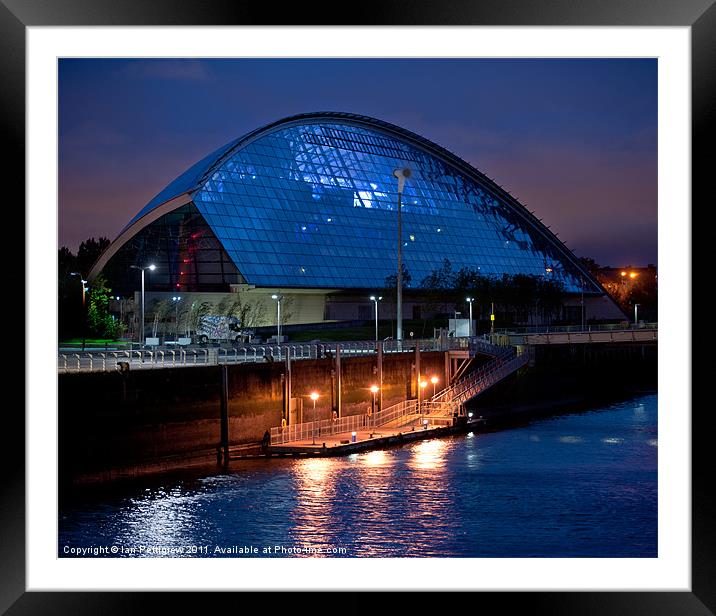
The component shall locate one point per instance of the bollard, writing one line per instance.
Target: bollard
(224, 415)
(353, 437)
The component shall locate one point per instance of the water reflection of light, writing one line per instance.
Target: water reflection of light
(654, 442)
(428, 454)
(571, 439)
(161, 520)
(313, 474)
(376, 458)
(613, 440)
(639, 409)
(314, 491)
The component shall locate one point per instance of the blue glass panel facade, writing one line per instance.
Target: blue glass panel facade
(314, 204)
(185, 250)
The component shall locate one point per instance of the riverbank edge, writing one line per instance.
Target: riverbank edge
(493, 418)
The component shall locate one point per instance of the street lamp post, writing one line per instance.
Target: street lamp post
(375, 300)
(83, 282)
(636, 314)
(434, 380)
(176, 300)
(278, 299)
(151, 268)
(469, 301)
(121, 309)
(374, 390)
(314, 396)
(402, 175)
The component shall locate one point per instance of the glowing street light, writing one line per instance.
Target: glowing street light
(176, 299)
(401, 175)
(434, 380)
(83, 282)
(314, 396)
(469, 301)
(374, 389)
(278, 299)
(151, 268)
(375, 299)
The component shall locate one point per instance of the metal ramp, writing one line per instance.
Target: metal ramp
(437, 411)
(449, 400)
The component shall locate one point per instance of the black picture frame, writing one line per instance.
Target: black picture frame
(16, 15)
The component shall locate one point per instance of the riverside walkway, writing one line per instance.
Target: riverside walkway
(109, 360)
(145, 359)
(592, 334)
(403, 422)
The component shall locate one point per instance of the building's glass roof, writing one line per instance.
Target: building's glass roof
(314, 205)
(311, 201)
(185, 182)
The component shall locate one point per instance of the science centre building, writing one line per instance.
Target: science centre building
(307, 207)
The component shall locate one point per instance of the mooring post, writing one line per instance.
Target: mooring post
(224, 395)
(338, 380)
(380, 375)
(287, 387)
(417, 370)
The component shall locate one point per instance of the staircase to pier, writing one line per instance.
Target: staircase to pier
(505, 361)
(438, 410)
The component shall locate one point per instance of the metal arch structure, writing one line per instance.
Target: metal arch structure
(181, 190)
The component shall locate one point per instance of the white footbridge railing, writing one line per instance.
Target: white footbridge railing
(437, 411)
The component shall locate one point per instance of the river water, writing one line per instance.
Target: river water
(580, 484)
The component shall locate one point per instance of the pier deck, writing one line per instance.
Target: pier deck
(341, 444)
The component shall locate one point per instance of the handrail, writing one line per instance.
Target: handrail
(255, 353)
(156, 357)
(350, 423)
(576, 329)
(407, 411)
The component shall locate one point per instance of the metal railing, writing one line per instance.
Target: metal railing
(585, 337)
(315, 430)
(470, 387)
(554, 329)
(436, 411)
(89, 361)
(111, 361)
(481, 378)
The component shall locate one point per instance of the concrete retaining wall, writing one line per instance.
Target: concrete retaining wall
(108, 420)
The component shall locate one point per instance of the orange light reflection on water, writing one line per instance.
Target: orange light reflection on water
(429, 455)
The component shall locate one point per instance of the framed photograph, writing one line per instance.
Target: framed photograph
(241, 388)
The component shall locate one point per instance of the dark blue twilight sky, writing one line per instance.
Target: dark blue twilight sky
(575, 140)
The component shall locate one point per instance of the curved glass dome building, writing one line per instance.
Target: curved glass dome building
(309, 202)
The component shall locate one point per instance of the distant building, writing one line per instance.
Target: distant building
(624, 275)
(306, 207)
